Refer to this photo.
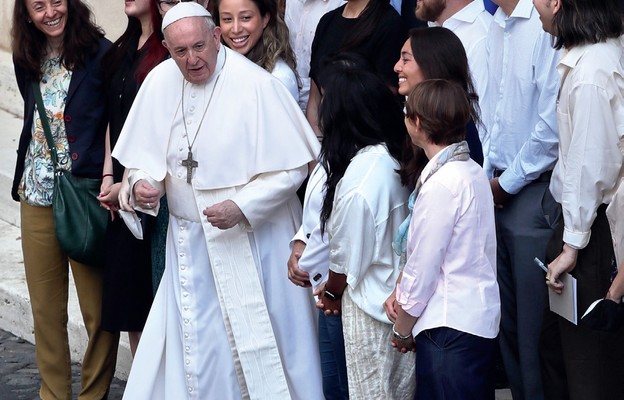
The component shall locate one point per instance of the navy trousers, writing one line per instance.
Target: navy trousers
(451, 365)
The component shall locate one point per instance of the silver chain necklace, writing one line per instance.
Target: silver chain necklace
(189, 162)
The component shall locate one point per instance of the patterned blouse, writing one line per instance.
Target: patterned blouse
(37, 184)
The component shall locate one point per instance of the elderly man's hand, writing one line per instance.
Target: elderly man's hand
(145, 195)
(224, 215)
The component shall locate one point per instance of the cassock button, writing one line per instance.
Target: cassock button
(68, 118)
(188, 362)
(185, 294)
(190, 390)
(186, 335)
(74, 156)
(188, 348)
(186, 321)
(71, 138)
(192, 108)
(182, 267)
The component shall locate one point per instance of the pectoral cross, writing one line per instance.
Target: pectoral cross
(189, 163)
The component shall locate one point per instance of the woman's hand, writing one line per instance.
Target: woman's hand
(295, 274)
(108, 195)
(403, 346)
(391, 306)
(329, 307)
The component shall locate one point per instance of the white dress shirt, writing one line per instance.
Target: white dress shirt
(518, 108)
(286, 75)
(315, 258)
(590, 113)
(449, 279)
(301, 17)
(471, 25)
(369, 206)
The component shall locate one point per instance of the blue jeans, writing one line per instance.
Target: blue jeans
(451, 364)
(333, 362)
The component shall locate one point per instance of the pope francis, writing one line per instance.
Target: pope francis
(229, 146)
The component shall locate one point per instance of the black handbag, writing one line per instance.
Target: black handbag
(79, 220)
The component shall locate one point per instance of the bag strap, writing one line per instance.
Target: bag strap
(45, 123)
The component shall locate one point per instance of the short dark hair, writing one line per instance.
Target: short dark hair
(586, 22)
(442, 109)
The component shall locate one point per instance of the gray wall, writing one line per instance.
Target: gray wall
(108, 13)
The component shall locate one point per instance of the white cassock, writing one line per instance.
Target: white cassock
(226, 323)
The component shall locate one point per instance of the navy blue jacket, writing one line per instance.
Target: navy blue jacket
(85, 118)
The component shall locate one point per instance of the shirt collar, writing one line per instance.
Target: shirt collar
(572, 56)
(523, 9)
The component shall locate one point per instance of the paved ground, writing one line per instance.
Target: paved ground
(19, 379)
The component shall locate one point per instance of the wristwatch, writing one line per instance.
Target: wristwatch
(399, 337)
(331, 296)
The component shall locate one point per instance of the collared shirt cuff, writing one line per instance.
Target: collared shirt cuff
(300, 235)
(510, 182)
(414, 309)
(576, 240)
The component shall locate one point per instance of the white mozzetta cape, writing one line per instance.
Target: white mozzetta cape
(245, 119)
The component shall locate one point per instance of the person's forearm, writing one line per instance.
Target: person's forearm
(336, 283)
(404, 322)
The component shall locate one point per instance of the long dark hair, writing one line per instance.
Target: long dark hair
(80, 39)
(357, 110)
(154, 51)
(440, 55)
(586, 22)
(275, 41)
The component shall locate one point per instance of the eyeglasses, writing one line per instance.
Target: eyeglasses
(166, 5)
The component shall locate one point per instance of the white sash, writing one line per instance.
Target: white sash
(250, 333)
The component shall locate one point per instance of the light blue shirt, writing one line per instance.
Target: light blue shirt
(519, 104)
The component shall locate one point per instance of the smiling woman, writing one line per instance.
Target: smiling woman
(255, 29)
(57, 51)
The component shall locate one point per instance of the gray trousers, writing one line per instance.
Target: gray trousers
(524, 227)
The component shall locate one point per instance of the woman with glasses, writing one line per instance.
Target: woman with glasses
(127, 295)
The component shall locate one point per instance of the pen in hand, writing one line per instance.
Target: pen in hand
(540, 264)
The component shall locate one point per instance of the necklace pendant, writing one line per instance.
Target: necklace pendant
(189, 163)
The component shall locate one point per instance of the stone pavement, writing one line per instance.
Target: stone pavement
(18, 372)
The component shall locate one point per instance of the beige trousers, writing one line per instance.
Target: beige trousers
(47, 277)
(375, 370)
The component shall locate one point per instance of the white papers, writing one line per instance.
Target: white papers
(564, 304)
(133, 223)
(591, 307)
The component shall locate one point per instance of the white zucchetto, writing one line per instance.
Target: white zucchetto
(184, 10)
